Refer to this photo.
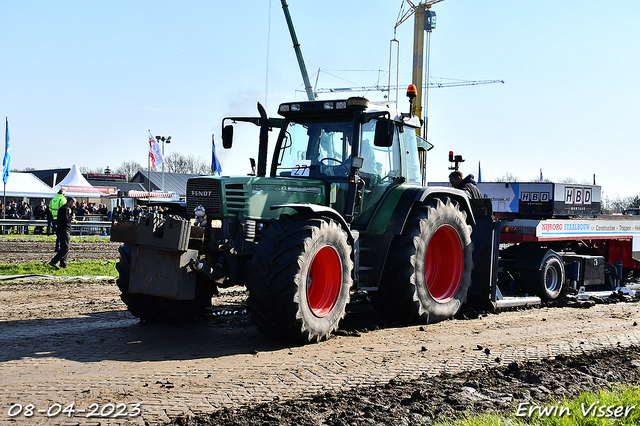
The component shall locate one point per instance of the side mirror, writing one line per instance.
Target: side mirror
(227, 136)
(384, 133)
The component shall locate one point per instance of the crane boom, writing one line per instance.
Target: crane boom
(406, 15)
(296, 47)
(379, 88)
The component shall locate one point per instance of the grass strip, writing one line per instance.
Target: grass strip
(619, 406)
(73, 269)
(52, 237)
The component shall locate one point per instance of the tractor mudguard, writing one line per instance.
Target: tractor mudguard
(391, 215)
(390, 220)
(454, 194)
(317, 210)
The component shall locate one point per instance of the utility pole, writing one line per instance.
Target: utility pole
(163, 140)
(424, 20)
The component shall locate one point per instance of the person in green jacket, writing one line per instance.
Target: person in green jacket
(65, 217)
(54, 205)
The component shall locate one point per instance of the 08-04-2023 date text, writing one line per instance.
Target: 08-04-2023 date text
(109, 410)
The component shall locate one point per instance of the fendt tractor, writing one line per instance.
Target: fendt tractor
(344, 208)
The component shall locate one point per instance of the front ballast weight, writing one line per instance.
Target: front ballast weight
(159, 271)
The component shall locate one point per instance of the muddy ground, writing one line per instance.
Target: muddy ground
(13, 251)
(510, 389)
(73, 340)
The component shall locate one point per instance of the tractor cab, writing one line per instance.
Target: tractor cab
(359, 151)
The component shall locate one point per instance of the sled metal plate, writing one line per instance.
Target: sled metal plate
(124, 232)
(172, 235)
(163, 273)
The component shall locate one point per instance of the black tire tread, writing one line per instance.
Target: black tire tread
(274, 271)
(397, 298)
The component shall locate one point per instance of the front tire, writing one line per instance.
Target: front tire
(428, 270)
(300, 279)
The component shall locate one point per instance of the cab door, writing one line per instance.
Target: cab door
(380, 171)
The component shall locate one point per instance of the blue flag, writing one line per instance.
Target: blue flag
(479, 173)
(7, 156)
(216, 167)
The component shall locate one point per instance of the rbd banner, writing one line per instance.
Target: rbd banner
(542, 198)
(513, 197)
(574, 199)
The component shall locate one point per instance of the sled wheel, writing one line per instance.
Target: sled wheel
(300, 278)
(160, 309)
(548, 281)
(428, 270)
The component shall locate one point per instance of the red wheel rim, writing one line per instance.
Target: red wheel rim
(324, 281)
(444, 264)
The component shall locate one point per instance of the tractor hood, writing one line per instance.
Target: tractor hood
(226, 197)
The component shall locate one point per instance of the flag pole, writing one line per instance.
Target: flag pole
(4, 191)
(149, 173)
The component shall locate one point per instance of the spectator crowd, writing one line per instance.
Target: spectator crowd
(45, 211)
(42, 211)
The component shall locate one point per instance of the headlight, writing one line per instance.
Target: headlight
(216, 223)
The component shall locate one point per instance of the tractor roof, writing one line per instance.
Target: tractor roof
(339, 109)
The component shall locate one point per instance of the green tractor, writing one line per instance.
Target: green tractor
(344, 208)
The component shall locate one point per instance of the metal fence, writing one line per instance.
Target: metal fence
(85, 225)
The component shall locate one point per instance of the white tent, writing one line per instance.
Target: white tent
(77, 186)
(26, 185)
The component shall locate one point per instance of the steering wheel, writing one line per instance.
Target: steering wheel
(339, 167)
(331, 159)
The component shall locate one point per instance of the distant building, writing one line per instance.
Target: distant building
(117, 181)
(51, 177)
(173, 182)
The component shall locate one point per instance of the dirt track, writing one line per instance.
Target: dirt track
(12, 251)
(64, 342)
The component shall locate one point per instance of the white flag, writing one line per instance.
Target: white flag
(154, 152)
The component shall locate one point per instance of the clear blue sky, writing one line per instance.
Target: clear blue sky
(82, 81)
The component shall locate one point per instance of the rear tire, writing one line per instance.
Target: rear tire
(160, 309)
(300, 278)
(428, 270)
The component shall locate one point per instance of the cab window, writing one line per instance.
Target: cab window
(321, 149)
(383, 162)
(413, 160)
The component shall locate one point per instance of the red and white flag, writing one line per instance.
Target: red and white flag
(154, 152)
